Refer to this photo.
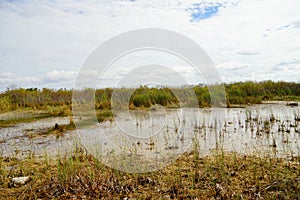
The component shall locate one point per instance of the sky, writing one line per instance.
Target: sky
(45, 43)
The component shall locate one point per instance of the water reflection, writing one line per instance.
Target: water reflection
(259, 129)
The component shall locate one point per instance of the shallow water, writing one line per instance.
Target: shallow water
(17, 141)
(266, 129)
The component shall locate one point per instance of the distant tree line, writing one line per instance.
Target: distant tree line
(255, 92)
(143, 96)
(33, 97)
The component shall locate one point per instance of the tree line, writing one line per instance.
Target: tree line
(237, 93)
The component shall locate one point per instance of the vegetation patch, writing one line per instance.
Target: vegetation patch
(27, 115)
(237, 93)
(218, 176)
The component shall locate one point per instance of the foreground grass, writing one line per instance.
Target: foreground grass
(219, 176)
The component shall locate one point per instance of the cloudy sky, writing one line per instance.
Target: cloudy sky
(44, 43)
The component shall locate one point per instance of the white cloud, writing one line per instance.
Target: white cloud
(62, 75)
(48, 41)
(10, 79)
(53, 79)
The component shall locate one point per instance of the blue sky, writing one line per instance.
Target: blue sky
(200, 11)
(44, 43)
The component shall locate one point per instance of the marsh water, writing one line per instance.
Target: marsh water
(18, 140)
(268, 129)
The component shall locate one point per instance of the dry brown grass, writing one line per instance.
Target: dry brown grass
(219, 176)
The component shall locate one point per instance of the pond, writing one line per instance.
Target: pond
(265, 129)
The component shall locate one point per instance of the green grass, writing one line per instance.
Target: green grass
(27, 115)
(104, 114)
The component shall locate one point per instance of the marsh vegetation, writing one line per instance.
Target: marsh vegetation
(143, 96)
(249, 151)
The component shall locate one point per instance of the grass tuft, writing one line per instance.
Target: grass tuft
(220, 176)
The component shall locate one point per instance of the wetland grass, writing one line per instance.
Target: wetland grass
(27, 115)
(218, 176)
